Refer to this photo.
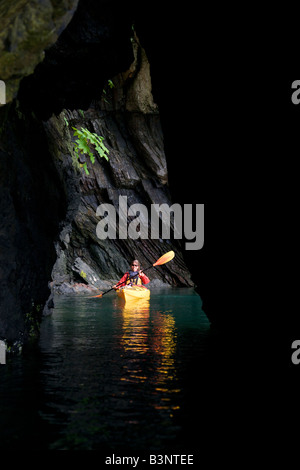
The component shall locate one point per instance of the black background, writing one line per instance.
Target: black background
(232, 139)
(222, 81)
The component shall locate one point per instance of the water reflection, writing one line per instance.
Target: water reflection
(135, 339)
(109, 376)
(136, 326)
(154, 336)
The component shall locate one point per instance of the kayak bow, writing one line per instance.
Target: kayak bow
(129, 293)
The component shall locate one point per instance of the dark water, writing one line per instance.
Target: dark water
(111, 378)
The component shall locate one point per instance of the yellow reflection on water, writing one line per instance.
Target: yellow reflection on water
(135, 326)
(155, 336)
(164, 346)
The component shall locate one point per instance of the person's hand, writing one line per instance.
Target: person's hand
(140, 272)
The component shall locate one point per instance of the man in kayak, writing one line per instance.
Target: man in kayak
(132, 278)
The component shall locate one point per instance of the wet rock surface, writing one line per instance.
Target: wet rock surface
(32, 203)
(48, 203)
(136, 169)
(27, 28)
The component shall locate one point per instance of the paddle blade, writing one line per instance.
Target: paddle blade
(165, 258)
(94, 296)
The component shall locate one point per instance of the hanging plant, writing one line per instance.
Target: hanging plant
(85, 143)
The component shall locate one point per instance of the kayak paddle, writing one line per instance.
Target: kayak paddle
(162, 260)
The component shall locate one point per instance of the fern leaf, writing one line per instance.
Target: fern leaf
(85, 168)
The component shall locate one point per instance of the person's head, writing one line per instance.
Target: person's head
(135, 265)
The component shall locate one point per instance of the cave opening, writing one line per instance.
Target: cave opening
(94, 48)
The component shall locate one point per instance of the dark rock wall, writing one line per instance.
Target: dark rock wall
(94, 47)
(129, 121)
(27, 28)
(31, 204)
(48, 205)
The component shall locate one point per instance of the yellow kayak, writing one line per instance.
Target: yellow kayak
(129, 293)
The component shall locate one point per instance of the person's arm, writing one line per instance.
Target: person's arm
(144, 278)
(121, 282)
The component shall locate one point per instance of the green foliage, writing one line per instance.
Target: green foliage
(111, 85)
(85, 143)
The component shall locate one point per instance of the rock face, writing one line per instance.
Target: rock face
(94, 47)
(31, 204)
(27, 28)
(130, 124)
(48, 203)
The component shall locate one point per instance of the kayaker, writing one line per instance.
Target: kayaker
(130, 277)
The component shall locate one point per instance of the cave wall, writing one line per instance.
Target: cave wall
(32, 203)
(94, 47)
(27, 28)
(43, 196)
(129, 121)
